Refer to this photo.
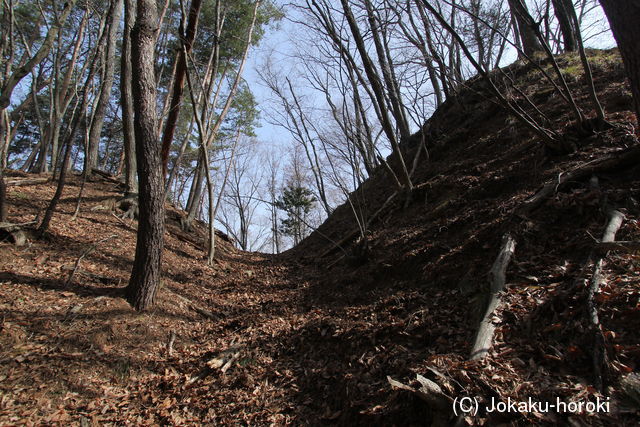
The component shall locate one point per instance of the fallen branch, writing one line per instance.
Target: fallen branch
(84, 254)
(206, 313)
(223, 361)
(615, 161)
(9, 226)
(497, 277)
(599, 350)
(432, 394)
(27, 181)
(440, 403)
(123, 223)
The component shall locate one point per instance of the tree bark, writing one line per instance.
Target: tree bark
(178, 82)
(568, 30)
(145, 275)
(497, 278)
(126, 100)
(624, 16)
(530, 43)
(44, 226)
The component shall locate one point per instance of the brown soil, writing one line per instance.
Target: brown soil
(315, 333)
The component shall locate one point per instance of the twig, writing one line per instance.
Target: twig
(223, 361)
(122, 222)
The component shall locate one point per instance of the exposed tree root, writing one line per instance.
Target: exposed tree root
(442, 405)
(600, 362)
(497, 278)
(615, 161)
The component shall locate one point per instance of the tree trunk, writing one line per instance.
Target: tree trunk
(178, 82)
(530, 43)
(107, 83)
(145, 275)
(195, 194)
(44, 226)
(3, 187)
(126, 99)
(567, 28)
(378, 90)
(7, 89)
(624, 16)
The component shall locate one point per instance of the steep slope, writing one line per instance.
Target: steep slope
(426, 265)
(310, 336)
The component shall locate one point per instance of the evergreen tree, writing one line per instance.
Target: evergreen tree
(297, 202)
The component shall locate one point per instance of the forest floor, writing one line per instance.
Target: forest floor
(311, 337)
(76, 352)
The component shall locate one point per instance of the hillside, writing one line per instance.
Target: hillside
(311, 336)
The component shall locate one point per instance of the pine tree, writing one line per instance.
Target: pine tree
(297, 202)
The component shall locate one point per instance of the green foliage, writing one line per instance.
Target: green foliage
(27, 19)
(297, 202)
(243, 114)
(237, 19)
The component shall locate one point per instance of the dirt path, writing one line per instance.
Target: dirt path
(308, 346)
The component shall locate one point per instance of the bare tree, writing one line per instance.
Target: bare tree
(211, 116)
(272, 185)
(97, 122)
(240, 199)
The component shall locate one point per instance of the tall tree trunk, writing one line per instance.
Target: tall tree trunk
(107, 83)
(145, 275)
(76, 121)
(208, 110)
(624, 16)
(48, 215)
(10, 83)
(562, 10)
(195, 194)
(530, 43)
(178, 82)
(391, 83)
(3, 187)
(378, 90)
(126, 100)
